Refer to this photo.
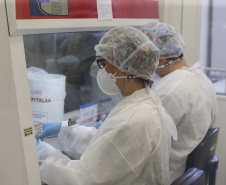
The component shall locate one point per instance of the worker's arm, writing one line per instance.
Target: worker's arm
(74, 140)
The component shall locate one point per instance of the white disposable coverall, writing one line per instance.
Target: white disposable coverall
(132, 146)
(190, 99)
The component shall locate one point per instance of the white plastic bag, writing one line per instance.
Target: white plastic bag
(47, 93)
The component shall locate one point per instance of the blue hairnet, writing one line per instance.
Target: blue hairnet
(167, 38)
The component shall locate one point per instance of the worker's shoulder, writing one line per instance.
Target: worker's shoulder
(139, 119)
(146, 112)
(140, 106)
(183, 76)
(182, 81)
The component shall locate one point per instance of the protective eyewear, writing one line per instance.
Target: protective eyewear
(100, 63)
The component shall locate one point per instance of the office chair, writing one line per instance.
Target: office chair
(192, 176)
(203, 156)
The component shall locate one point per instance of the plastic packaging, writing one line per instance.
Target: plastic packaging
(104, 107)
(88, 114)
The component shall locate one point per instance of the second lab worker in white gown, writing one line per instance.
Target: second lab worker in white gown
(185, 92)
(132, 146)
(191, 102)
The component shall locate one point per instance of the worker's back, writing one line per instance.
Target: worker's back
(189, 98)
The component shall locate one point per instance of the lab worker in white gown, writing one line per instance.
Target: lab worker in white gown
(185, 92)
(132, 146)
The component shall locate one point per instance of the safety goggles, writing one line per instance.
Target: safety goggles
(100, 63)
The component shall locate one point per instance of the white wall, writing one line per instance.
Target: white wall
(221, 149)
(18, 156)
(204, 31)
(191, 29)
(186, 16)
(219, 35)
(170, 12)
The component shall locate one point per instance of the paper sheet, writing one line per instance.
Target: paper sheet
(104, 9)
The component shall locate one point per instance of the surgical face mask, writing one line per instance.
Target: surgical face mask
(107, 82)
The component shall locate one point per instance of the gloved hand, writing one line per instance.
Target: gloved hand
(99, 123)
(49, 129)
(38, 142)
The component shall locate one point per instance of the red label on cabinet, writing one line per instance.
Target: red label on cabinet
(67, 9)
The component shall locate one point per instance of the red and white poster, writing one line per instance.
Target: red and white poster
(67, 9)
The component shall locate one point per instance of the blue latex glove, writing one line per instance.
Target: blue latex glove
(38, 142)
(49, 129)
(99, 123)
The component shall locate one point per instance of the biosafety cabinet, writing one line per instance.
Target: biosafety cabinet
(55, 39)
(51, 37)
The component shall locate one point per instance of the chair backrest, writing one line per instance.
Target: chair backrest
(204, 151)
(192, 176)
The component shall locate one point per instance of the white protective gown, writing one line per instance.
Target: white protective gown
(190, 99)
(131, 147)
